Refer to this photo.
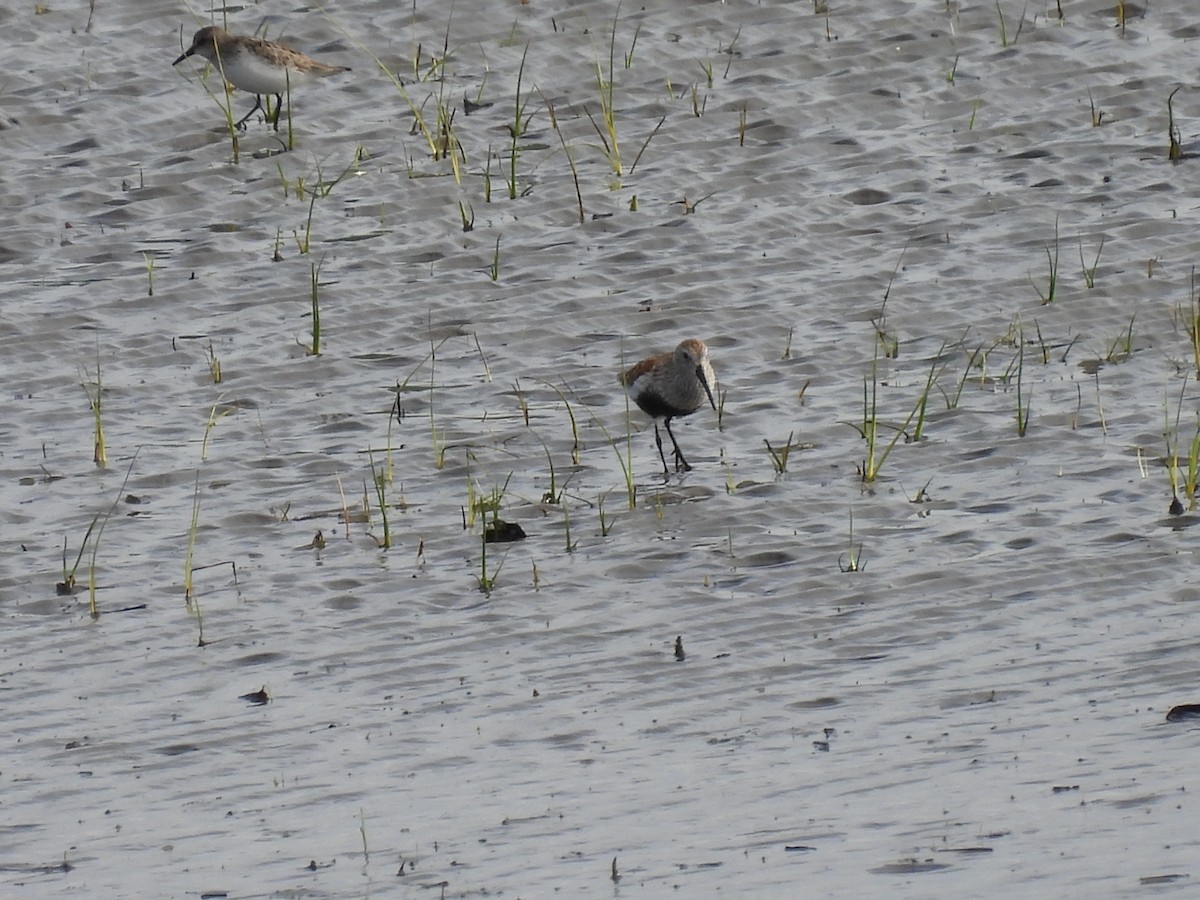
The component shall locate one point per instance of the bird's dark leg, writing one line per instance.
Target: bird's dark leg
(661, 455)
(680, 462)
(240, 124)
(278, 110)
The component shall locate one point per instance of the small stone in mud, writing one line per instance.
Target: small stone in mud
(257, 698)
(1176, 508)
(680, 656)
(501, 532)
(1183, 712)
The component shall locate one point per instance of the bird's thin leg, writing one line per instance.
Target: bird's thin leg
(278, 110)
(240, 124)
(680, 462)
(661, 455)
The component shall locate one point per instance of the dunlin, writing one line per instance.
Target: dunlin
(671, 385)
(254, 65)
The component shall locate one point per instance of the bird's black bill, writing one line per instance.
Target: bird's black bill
(704, 382)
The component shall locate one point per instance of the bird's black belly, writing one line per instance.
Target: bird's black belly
(656, 407)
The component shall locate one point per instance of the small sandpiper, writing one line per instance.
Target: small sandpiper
(670, 385)
(255, 65)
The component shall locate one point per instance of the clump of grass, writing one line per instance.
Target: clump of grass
(877, 452)
(605, 90)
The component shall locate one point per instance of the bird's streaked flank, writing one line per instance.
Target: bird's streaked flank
(255, 65)
(670, 385)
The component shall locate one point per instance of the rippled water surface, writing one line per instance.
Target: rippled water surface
(950, 679)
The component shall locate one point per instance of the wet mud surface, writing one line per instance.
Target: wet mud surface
(950, 679)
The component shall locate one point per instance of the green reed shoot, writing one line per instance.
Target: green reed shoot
(553, 494)
(566, 152)
(95, 393)
(742, 127)
(211, 423)
(1172, 439)
(379, 479)
(1097, 114)
(779, 457)
(605, 522)
(522, 401)
(1052, 283)
(194, 606)
(1004, 41)
(287, 98)
(637, 159)
(482, 505)
(605, 89)
(570, 417)
(876, 454)
(66, 587)
(517, 129)
(214, 364)
(952, 400)
(1023, 401)
(1122, 346)
(632, 45)
(1089, 273)
(494, 268)
(625, 461)
(567, 528)
(1174, 138)
(1191, 322)
(852, 561)
(315, 348)
(923, 401)
(731, 53)
(93, 608)
(467, 215)
(191, 550)
(438, 435)
(149, 258)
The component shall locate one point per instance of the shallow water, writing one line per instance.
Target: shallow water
(979, 710)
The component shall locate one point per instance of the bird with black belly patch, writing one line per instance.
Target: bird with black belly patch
(669, 386)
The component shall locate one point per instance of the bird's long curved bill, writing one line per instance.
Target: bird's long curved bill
(704, 382)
